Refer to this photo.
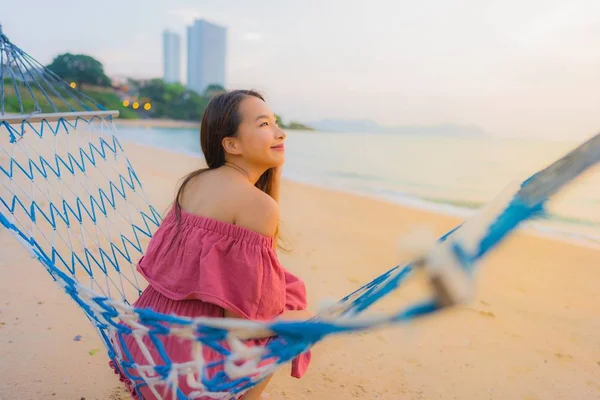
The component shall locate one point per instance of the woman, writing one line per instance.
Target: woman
(214, 253)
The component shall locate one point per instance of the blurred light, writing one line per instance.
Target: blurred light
(136, 105)
(73, 85)
(147, 106)
(125, 103)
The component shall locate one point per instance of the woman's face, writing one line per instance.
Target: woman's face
(260, 139)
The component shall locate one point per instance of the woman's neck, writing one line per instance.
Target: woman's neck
(251, 174)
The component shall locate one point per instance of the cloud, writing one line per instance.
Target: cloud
(252, 37)
(564, 21)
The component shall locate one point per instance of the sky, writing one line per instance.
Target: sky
(513, 67)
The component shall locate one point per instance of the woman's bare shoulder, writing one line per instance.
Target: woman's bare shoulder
(257, 211)
(209, 195)
(244, 205)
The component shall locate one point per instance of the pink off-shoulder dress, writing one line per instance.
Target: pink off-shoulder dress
(200, 268)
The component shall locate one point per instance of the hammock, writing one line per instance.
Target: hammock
(73, 200)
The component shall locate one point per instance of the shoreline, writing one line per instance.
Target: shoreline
(532, 227)
(156, 123)
(167, 123)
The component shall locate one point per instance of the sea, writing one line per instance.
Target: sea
(443, 173)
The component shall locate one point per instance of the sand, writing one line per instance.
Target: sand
(531, 333)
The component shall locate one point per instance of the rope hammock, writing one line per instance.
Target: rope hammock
(73, 200)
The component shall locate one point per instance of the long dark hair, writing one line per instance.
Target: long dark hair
(222, 119)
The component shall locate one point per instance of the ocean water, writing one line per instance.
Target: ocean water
(449, 174)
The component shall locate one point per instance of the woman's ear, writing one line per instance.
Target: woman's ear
(231, 146)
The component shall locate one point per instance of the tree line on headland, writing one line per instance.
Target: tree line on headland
(133, 98)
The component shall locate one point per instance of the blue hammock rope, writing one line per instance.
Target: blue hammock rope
(36, 88)
(66, 180)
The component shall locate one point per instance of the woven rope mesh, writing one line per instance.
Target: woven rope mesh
(71, 188)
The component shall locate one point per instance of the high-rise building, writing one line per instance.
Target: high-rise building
(206, 51)
(171, 57)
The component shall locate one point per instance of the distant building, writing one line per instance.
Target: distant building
(171, 57)
(206, 51)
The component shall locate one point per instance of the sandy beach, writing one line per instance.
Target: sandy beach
(531, 333)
